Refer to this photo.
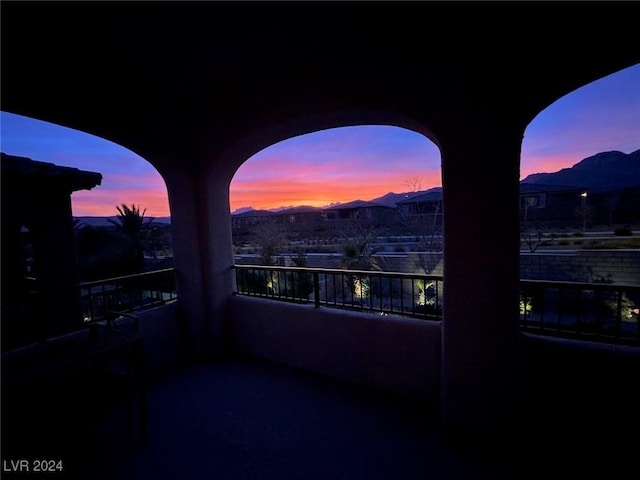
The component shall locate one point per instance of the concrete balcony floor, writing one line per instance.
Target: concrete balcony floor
(251, 419)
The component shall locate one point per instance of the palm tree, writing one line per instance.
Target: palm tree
(358, 251)
(129, 219)
(136, 229)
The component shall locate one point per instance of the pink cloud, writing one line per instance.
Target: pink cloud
(103, 202)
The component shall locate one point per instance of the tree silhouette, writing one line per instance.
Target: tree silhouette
(425, 221)
(129, 219)
(137, 230)
(270, 238)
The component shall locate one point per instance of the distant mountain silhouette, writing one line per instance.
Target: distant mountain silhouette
(388, 199)
(299, 209)
(602, 172)
(241, 210)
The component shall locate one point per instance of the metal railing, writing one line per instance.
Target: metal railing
(406, 294)
(607, 313)
(600, 312)
(588, 311)
(126, 294)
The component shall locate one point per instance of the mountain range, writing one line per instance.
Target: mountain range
(604, 171)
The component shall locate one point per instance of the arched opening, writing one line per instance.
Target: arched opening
(309, 194)
(127, 180)
(579, 163)
(76, 233)
(572, 216)
(580, 203)
(127, 177)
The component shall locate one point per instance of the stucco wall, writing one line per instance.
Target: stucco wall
(606, 266)
(160, 328)
(403, 356)
(609, 266)
(396, 354)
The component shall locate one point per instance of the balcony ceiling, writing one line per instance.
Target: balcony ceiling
(158, 77)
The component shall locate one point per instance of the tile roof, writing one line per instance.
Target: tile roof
(20, 171)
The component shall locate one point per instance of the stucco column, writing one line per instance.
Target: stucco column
(480, 342)
(203, 257)
(54, 250)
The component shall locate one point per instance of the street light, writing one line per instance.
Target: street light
(584, 211)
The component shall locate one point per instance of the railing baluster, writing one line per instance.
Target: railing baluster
(413, 295)
(401, 297)
(335, 289)
(618, 315)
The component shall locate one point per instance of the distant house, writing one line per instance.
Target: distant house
(249, 218)
(420, 213)
(360, 210)
(428, 202)
(301, 215)
(540, 202)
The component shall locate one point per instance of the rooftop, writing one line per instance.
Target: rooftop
(23, 171)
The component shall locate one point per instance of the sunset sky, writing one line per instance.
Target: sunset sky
(337, 165)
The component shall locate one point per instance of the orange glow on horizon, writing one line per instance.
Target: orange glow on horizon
(320, 193)
(94, 203)
(257, 195)
(308, 188)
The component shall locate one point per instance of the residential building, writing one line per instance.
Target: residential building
(551, 203)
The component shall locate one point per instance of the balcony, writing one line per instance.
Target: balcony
(500, 394)
(328, 384)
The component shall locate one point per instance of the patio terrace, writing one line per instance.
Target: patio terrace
(243, 418)
(287, 402)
